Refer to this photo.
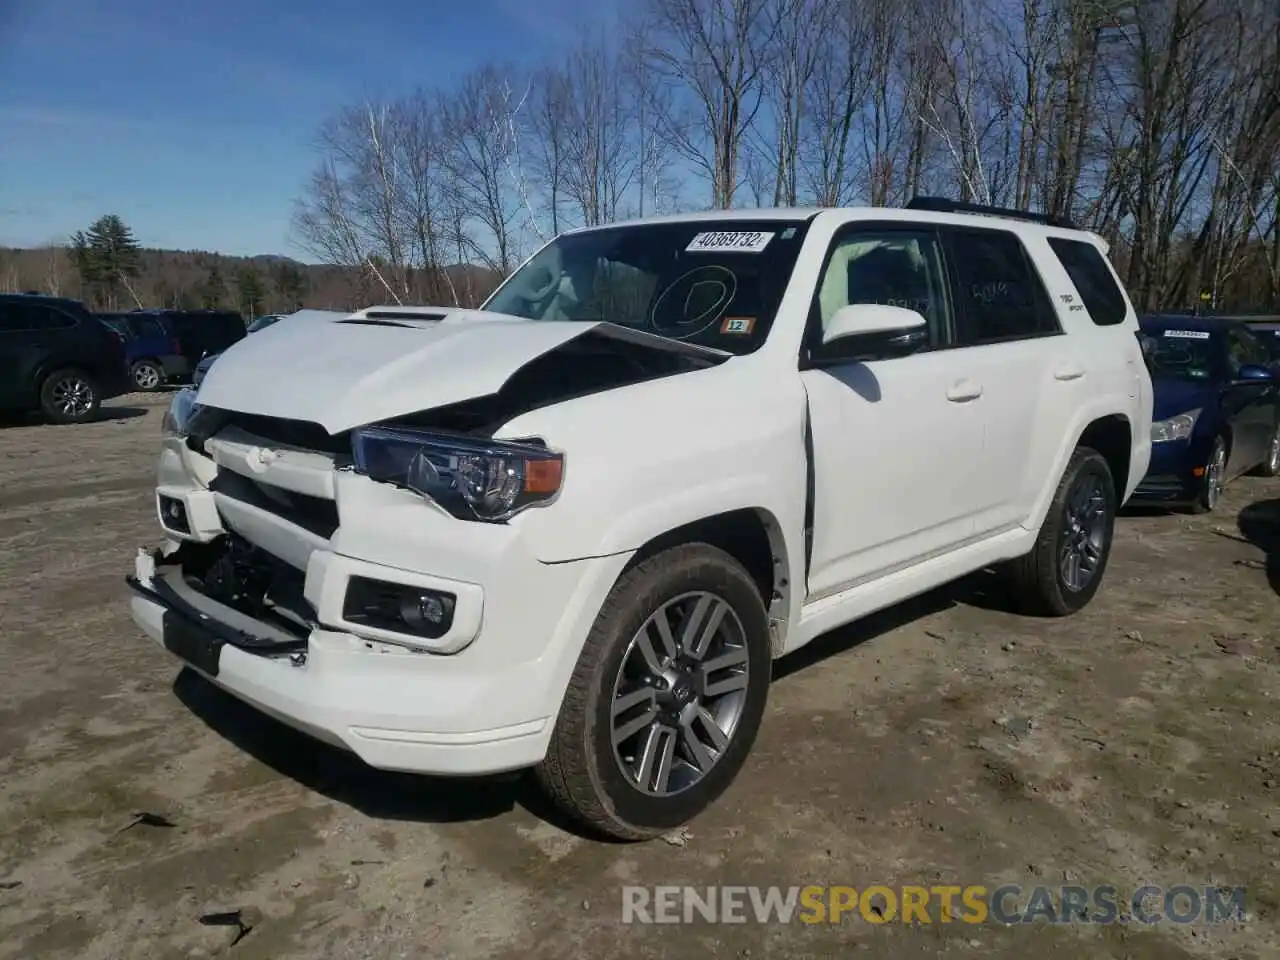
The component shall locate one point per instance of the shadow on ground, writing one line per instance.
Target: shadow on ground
(1259, 523)
(345, 778)
(12, 418)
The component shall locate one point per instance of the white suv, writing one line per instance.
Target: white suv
(573, 529)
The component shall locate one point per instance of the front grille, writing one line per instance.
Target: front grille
(291, 433)
(315, 514)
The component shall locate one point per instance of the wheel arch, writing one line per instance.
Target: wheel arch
(752, 536)
(1111, 436)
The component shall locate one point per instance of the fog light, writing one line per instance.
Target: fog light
(173, 514)
(398, 607)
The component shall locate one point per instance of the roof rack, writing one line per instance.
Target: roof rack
(945, 205)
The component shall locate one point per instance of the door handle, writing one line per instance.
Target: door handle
(1069, 372)
(963, 391)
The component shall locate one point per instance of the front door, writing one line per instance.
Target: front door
(896, 439)
(1250, 405)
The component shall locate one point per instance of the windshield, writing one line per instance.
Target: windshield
(1178, 354)
(713, 283)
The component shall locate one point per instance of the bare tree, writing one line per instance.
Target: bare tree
(478, 124)
(713, 50)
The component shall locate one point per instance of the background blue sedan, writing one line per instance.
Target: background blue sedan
(1217, 410)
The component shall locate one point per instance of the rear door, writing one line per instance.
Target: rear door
(1011, 343)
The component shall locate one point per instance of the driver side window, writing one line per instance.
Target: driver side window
(897, 268)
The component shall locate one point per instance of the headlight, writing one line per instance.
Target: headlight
(472, 479)
(177, 418)
(1175, 428)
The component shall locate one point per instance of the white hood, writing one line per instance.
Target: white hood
(357, 369)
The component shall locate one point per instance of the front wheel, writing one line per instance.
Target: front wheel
(1270, 467)
(70, 396)
(666, 698)
(1064, 569)
(1215, 473)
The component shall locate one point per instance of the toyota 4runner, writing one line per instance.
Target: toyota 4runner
(573, 529)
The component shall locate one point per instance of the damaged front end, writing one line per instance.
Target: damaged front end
(227, 592)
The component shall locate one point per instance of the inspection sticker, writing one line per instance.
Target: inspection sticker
(737, 324)
(1188, 334)
(745, 242)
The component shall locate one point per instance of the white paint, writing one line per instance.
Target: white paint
(926, 468)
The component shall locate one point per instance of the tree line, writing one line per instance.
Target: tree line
(1155, 123)
(105, 267)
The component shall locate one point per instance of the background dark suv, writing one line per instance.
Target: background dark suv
(57, 357)
(199, 332)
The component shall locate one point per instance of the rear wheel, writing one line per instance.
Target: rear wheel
(70, 396)
(1064, 569)
(147, 375)
(667, 696)
(1211, 484)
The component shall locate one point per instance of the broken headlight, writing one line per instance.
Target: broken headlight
(177, 418)
(472, 479)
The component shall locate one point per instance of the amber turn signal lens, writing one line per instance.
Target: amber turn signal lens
(543, 476)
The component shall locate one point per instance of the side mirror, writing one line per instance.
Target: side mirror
(898, 326)
(1254, 373)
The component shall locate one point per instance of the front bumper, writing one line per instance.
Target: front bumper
(1174, 476)
(486, 703)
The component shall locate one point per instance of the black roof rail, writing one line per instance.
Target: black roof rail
(945, 205)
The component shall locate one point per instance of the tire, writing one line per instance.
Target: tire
(147, 376)
(70, 395)
(1211, 485)
(582, 772)
(1270, 466)
(1042, 587)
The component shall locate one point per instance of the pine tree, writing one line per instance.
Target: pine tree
(213, 290)
(105, 256)
(252, 291)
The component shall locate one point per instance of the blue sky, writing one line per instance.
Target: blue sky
(195, 121)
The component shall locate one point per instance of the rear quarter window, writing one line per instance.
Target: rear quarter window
(1093, 279)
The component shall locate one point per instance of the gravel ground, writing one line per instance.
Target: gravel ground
(947, 741)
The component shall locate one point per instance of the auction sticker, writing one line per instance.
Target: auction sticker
(1188, 334)
(744, 242)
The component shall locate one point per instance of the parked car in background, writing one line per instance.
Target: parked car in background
(1268, 331)
(57, 357)
(1216, 413)
(261, 323)
(200, 332)
(154, 353)
(470, 541)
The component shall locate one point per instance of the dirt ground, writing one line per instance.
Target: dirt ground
(947, 742)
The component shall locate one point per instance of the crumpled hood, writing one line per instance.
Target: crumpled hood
(358, 370)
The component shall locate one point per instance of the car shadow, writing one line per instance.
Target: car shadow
(346, 779)
(11, 418)
(1259, 523)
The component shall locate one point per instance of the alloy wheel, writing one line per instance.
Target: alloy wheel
(146, 376)
(72, 397)
(1273, 454)
(1214, 473)
(679, 694)
(1084, 533)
